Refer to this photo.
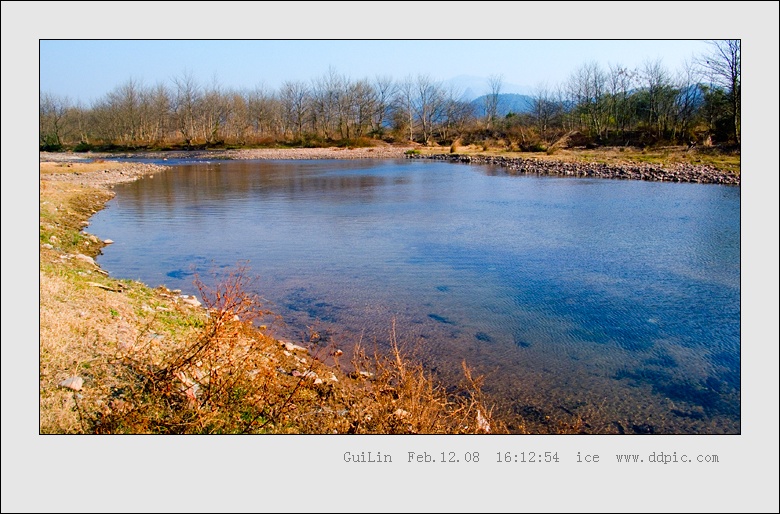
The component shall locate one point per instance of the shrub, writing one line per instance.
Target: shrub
(50, 147)
(83, 147)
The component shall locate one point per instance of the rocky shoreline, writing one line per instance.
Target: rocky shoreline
(676, 172)
(671, 172)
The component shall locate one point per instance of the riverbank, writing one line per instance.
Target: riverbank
(119, 356)
(670, 164)
(672, 172)
(375, 152)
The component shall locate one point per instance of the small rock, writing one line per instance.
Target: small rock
(85, 258)
(190, 300)
(482, 423)
(401, 414)
(308, 375)
(293, 347)
(93, 239)
(361, 374)
(74, 382)
(337, 353)
(47, 246)
(53, 239)
(107, 241)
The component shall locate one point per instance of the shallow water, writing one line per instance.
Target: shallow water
(617, 302)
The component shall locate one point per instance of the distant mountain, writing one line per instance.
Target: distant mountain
(472, 87)
(507, 103)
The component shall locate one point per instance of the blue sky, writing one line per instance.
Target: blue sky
(88, 69)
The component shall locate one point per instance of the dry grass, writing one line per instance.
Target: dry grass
(726, 161)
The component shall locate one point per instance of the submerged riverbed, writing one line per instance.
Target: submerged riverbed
(613, 303)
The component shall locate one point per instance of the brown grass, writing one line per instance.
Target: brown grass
(726, 161)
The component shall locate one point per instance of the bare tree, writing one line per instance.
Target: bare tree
(213, 111)
(495, 82)
(405, 101)
(724, 68)
(237, 121)
(545, 110)
(456, 113)
(51, 112)
(660, 94)
(428, 104)
(587, 87)
(185, 103)
(81, 120)
(326, 93)
(364, 98)
(620, 83)
(295, 98)
(384, 91)
(688, 96)
(264, 118)
(159, 102)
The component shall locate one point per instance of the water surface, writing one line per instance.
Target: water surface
(616, 302)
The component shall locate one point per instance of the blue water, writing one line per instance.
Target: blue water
(616, 302)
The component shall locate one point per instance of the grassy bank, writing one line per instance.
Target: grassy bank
(724, 160)
(119, 356)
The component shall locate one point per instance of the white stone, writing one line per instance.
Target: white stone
(293, 347)
(190, 300)
(85, 258)
(74, 382)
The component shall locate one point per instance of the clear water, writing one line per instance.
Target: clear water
(616, 302)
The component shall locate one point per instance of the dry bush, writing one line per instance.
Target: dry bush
(404, 399)
(224, 381)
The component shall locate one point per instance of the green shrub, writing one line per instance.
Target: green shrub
(83, 147)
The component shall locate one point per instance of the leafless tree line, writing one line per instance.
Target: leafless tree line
(609, 104)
